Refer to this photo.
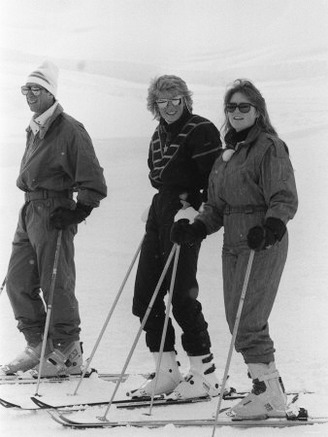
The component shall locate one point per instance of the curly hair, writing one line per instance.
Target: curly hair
(167, 83)
(249, 90)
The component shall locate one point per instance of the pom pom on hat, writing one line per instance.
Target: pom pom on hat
(46, 76)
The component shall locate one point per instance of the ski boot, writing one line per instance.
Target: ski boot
(168, 378)
(267, 398)
(200, 381)
(26, 360)
(63, 360)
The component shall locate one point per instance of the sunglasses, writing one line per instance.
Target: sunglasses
(36, 91)
(243, 107)
(162, 103)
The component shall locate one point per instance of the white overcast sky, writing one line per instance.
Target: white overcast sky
(157, 30)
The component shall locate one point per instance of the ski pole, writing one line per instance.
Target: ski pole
(234, 335)
(3, 284)
(109, 316)
(167, 316)
(144, 320)
(49, 307)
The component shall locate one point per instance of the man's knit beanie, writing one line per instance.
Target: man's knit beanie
(46, 76)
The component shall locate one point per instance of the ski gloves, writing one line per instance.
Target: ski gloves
(258, 237)
(61, 217)
(184, 233)
(264, 237)
(195, 199)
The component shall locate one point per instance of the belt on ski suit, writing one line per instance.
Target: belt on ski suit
(244, 209)
(47, 194)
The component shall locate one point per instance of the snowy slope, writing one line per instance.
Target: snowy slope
(287, 59)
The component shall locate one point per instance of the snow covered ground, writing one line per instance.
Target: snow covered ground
(108, 51)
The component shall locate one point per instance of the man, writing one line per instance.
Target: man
(59, 159)
(182, 151)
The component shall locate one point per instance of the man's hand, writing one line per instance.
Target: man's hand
(61, 217)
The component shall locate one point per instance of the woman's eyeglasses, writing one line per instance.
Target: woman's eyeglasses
(36, 91)
(243, 107)
(162, 103)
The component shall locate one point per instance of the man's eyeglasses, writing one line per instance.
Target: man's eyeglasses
(243, 107)
(162, 103)
(36, 91)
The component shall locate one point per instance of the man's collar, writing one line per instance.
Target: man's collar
(41, 119)
(37, 122)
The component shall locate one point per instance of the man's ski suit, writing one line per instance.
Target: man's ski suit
(58, 161)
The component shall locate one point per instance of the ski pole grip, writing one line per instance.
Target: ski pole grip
(188, 214)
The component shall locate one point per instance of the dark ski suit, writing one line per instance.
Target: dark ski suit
(181, 156)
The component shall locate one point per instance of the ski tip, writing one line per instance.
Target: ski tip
(39, 403)
(7, 404)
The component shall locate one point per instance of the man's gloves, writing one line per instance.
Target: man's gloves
(61, 217)
(184, 233)
(263, 237)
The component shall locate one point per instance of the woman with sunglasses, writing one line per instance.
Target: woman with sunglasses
(252, 194)
(182, 151)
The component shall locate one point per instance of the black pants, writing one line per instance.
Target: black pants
(186, 309)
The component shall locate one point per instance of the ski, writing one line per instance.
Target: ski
(223, 421)
(123, 403)
(14, 406)
(31, 377)
(145, 402)
(131, 403)
(8, 404)
(162, 402)
(128, 403)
